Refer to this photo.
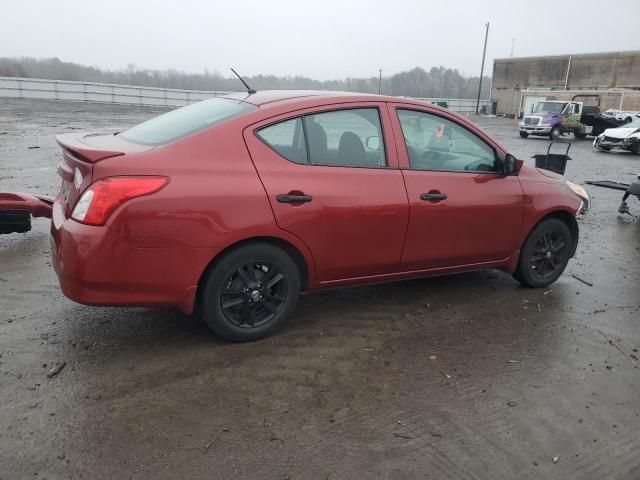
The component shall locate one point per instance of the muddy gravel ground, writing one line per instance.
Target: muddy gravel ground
(465, 377)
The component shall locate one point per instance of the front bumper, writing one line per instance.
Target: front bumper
(535, 129)
(600, 142)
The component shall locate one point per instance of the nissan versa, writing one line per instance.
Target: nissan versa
(234, 205)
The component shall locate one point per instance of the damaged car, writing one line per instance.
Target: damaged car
(625, 137)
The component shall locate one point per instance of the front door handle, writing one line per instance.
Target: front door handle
(289, 198)
(433, 196)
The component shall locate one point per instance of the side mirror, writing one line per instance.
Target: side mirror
(510, 165)
(373, 143)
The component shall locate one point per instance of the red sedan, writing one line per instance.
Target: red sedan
(237, 204)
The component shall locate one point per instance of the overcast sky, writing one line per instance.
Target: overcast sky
(323, 39)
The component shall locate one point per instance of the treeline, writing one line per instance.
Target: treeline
(418, 82)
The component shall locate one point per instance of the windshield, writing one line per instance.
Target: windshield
(184, 121)
(548, 107)
(635, 123)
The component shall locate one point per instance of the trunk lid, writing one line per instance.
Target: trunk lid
(80, 152)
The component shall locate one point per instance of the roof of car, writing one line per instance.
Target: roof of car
(288, 96)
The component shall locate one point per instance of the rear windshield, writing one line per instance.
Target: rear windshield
(184, 121)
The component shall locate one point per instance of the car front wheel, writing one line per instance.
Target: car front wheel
(555, 133)
(524, 134)
(250, 292)
(545, 254)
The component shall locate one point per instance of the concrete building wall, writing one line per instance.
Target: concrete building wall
(597, 71)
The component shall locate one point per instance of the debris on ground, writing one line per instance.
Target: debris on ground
(582, 280)
(512, 403)
(57, 368)
(556, 458)
(632, 360)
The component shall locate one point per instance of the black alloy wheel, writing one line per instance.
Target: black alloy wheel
(254, 294)
(249, 292)
(545, 254)
(549, 254)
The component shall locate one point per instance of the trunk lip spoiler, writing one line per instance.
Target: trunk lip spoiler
(36, 205)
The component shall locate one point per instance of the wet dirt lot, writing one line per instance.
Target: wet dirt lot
(465, 377)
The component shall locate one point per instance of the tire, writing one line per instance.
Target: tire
(524, 134)
(628, 120)
(580, 135)
(635, 148)
(555, 133)
(545, 254)
(259, 283)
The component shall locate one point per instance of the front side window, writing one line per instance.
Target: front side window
(184, 121)
(351, 138)
(435, 143)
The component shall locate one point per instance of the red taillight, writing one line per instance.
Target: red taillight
(99, 201)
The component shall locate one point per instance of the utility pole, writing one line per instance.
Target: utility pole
(380, 81)
(513, 44)
(484, 51)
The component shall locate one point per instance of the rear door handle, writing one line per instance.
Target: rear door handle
(433, 197)
(294, 198)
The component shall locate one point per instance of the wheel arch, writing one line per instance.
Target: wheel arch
(568, 218)
(295, 254)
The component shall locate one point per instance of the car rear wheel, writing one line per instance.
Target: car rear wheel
(250, 292)
(555, 133)
(524, 134)
(580, 135)
(545, 254)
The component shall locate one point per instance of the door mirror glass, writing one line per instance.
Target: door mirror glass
(373, 143)
(509, 164)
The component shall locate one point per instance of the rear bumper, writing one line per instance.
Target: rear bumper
(102, 266)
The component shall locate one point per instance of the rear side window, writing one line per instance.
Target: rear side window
(350, 138)
(286, 138)
(347, 138)
(184, 121)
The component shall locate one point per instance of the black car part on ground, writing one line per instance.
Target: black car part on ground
(629, 189)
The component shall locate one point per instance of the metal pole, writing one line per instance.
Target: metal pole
(566, 79)
(484, 51)
(621, 101)
(380, 81)
(513, 44)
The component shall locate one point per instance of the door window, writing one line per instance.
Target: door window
(287, 139)
(351, 138)
(435, 143)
